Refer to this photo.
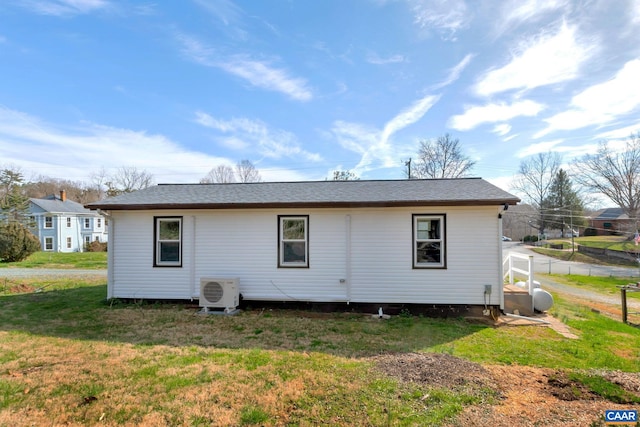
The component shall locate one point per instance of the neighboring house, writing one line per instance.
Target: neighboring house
(435, 242)
(610, 221)
(63, 225)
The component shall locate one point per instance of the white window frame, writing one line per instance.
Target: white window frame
(48, 221)
(283, 241)
(87, 223)
(435, 237)
(98, 222)
(69, 243)
(68, 222)
(158, 242)
(87, 240)
(48, 244)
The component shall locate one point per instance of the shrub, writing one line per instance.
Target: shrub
(530, 238)
(96, 246)
(16, 242)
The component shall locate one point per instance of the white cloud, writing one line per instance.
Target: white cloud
(545, 60)
(540, 147)
(256, 72)
(454, 73)
(42, 149)
(620, 133)
(601, 103)
(375, 145)
(64, 7)
(255, 134)
(516, 12)
(492, 113)
(502, 129)
(446, 16)
(376, 59)
(635, 11)
(567, 151)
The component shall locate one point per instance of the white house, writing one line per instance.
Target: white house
(63, 225)
(435, 242)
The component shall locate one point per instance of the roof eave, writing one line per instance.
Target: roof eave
(304, 205)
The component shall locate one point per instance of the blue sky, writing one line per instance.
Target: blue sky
(302, 88)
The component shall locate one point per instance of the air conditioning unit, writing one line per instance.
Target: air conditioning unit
(219, 293)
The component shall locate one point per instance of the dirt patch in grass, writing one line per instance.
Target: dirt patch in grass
(528, 396)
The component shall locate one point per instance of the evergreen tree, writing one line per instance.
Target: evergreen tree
(563, 206)
(14, 203)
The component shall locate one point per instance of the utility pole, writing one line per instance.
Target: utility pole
(408, 165)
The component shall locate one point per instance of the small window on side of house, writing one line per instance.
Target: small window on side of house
(68, 222)
(48, 222)
(48, 243)
(168, 242)
(69, 242)
(429, 241)
(293, 241)
(87, 223)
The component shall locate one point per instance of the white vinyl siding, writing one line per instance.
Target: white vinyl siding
(358, 255)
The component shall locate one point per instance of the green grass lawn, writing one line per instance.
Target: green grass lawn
(81, 260)
(67, 356)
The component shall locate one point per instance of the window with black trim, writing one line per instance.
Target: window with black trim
(293, 241)
(429, 241)
(168, 241)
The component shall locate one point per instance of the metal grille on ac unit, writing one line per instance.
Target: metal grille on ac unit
(219, 293)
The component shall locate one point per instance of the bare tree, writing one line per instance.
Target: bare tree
(534, 180)
(247, 172)
(442, 158)
(614, 174)
(128, 179)
(220, 174)
(344, 175)
(77, 191)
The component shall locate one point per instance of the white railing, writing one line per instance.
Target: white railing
(511, 269)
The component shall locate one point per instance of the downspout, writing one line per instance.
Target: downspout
(192, 260)
(348, 256)
(110, 253)
(500, 264)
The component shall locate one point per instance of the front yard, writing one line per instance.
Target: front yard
(69, 357)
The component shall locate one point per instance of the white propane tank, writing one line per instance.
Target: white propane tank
(542, 300)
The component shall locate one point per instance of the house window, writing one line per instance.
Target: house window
(293, 241)
(87, 240)
(68, 222)
(429, 241)
(68, 242)
(168, 242)
(48, 243)
(87, 223)
(98, 222)
(48, 222)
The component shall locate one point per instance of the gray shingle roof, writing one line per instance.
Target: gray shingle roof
(464, 191)
(55, 205)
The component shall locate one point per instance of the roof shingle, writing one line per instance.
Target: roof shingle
(463, 191)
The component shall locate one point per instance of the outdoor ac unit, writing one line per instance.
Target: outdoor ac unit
(219, 293)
